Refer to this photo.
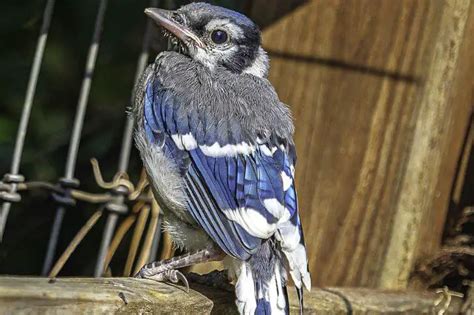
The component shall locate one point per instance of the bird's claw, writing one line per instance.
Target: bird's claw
(175, 276)
(171, 275)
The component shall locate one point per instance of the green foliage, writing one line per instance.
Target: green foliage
(7, 129)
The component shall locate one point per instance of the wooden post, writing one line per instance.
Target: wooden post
(422, 188)
(370, 85)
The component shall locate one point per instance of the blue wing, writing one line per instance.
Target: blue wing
(239, 189)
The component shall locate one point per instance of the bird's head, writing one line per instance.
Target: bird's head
(215, 37)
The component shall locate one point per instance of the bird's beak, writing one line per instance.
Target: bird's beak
(163, 18)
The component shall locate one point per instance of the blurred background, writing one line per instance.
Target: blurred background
(382, 96)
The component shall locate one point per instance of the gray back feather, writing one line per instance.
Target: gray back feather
(239, 104)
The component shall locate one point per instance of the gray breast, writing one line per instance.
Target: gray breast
(162, 172)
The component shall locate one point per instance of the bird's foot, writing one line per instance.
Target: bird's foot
(167, 275)
(166, 270)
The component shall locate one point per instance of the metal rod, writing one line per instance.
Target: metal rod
(141, 64)
(126, 146)
(85, 91)
(27, 105)
(156, 241)
(106, 238)
(77, 127)
(53, 241)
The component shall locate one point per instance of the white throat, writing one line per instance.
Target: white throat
(259, 67)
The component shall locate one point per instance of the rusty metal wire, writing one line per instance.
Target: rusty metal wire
(141, 207)
(80, 195)
(168, 249)
(149, 245)
(445, 295)
(123, 228)
(137, 235)
(120, 179)
(75, 242)
(149, 236)
(14, 177)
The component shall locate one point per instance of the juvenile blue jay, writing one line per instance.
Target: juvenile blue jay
(217, 146)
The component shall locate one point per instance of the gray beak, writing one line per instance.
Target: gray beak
(163, 18)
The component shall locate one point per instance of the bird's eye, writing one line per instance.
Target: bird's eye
(219, 36)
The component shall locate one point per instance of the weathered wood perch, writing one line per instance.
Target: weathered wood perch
(27, 295)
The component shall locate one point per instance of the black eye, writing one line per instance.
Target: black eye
(219, 36)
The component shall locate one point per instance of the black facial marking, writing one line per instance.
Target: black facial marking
(198, 15)
(246, 52)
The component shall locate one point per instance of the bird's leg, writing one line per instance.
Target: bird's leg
(165, 270)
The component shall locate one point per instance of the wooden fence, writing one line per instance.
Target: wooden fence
(381, 93)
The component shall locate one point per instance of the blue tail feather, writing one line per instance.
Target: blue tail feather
(263, 307)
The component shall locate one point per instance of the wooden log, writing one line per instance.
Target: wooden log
(370, 301)
(26, 295)
(348, 301)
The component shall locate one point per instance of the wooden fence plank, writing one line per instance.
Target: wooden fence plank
(453, 127)
(421, 209)
(358, 76)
